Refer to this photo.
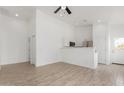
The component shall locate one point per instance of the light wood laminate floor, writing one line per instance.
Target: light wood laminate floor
(61, 74)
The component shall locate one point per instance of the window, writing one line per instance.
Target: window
(119, 43)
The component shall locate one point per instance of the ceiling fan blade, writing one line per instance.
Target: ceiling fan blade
(68, 11)
(57, 9)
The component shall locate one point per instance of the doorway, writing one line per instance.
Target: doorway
(118, 50)
(116, 43)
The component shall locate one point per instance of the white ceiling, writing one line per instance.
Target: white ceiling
(24, 12)
(110, 14)
(80, 14)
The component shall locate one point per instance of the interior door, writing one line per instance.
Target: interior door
(99, 40)
(32, 49)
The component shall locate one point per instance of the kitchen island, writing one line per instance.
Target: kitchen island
(82, 56)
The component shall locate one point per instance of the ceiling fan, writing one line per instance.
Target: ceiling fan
(65, 8)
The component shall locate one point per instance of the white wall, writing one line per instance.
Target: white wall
(101, 42)
(116, 31)
(13, 40)
(50, 33)
(82, 33)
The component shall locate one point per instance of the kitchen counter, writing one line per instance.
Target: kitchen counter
(82, 56)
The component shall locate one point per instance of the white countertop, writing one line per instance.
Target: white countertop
(78, 47)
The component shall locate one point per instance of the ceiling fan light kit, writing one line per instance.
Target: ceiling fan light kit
(62, 10)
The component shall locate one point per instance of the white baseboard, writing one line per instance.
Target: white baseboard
(14, 61)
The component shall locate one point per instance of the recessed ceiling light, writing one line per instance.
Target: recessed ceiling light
(98, 21)
(16, 14)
